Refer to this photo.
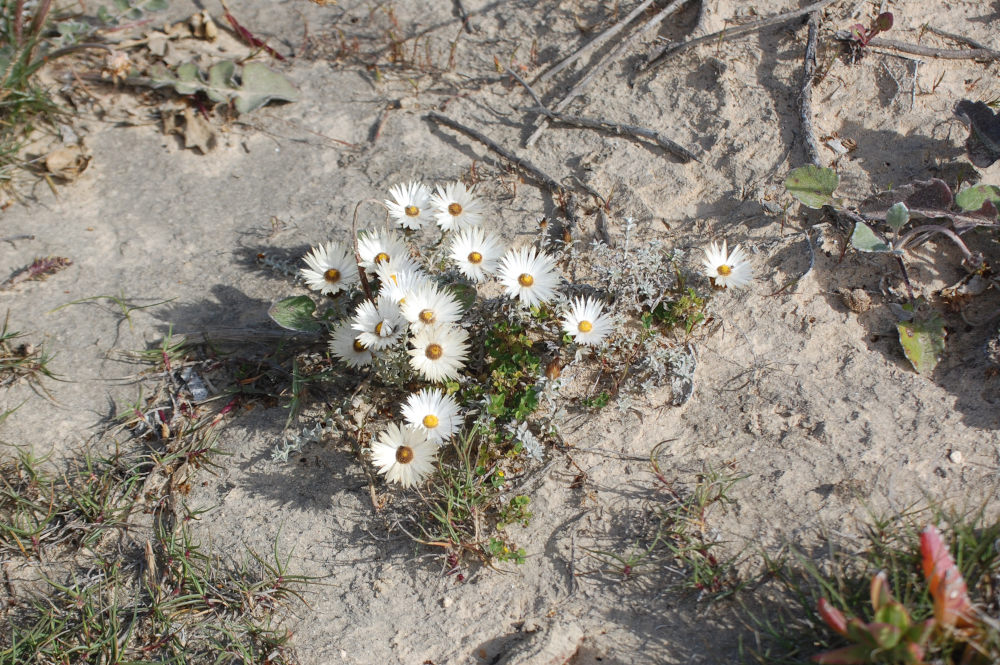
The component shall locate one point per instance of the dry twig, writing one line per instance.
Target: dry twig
(669, 145)
(987, 54)
(582, 84)
(658, 59)
(805, 97)
(593, 44)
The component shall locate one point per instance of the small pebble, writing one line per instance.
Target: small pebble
(955, 456)
(446, 602)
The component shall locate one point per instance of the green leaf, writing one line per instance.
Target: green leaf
(104, 16)
(295, 313)
(812, 185)
(886, 635)
(973, 198)
(865, 240)
(257, 85)
(922, 339)
(122, 5)
(156, 5)
(260, 86)
(897, 216)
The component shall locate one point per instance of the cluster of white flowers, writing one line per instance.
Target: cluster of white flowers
(412, 308)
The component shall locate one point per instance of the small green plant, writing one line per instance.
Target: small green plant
(21, 361)
(946, 214)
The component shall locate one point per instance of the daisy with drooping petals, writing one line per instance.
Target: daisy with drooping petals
(440, 351)
(378, 324)
(529, 274)
(727, 268)
(404, 455)
(434, 412)
(586, 321)
(476, 253)
(379, 247)
(346, 346)
(427, 305)
(396, 284)
(331, 268)
(455, 207)
(411, 205)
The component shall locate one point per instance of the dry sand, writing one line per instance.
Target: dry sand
(813, 402)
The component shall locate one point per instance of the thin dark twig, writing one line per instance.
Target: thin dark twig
(593, 44)
(540, 176)
(961, 39)
(463, 16)
(658, 59)
(565, 196)
(944, 54)
(365, 286)
(669, 145)
(582, 84)
(805, 96)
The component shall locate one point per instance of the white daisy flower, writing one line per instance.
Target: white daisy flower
(404, 455)
(727, 268)
(378, 247)
(411, 205)
(346, 346)
(586, 321)
(378, 324)
(434, 412)
(477, 253)
(440, 352)
(455, 207)
(331, 268)
(396, 284)
(529, 274)
(427, 305)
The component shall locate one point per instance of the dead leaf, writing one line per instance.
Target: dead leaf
(67, 162)
(197, 132)
(203, 27)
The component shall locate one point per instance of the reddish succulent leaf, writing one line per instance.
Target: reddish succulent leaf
(880, 594)
(833, 617)
(952, 606)
(883, 21)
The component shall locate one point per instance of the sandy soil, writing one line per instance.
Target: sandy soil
(813, 402)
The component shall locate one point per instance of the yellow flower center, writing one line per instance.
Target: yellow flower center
(434, 351)
(427, 316)
(381, 257)
(475, 258)
(411, 211)
(431, 421)
(454, 209)
(585, 326)
(358, 346)
(525, 279)
(724, 270)
(332, 275)
(404, 454)
(378, 328)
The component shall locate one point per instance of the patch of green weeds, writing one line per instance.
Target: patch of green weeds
(464, 502)
(685, 311)
(513, 367)
(21, 360)
(678, 544)
(790, 629)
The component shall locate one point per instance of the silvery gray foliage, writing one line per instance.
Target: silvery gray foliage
(637, 274)
(296, 441)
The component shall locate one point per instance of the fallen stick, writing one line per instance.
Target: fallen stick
(805, 96)
(578, 89)
(658, 59)
(669, 145)
(567, 199)
(594, 44)
(944, 54)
